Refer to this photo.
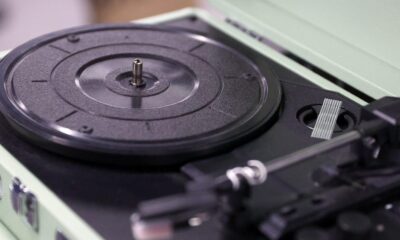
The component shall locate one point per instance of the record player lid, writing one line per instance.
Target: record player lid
(355, 41)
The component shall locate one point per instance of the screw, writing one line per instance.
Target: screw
(86, 129)
(73, 38)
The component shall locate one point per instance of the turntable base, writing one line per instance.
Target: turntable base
(189, 97)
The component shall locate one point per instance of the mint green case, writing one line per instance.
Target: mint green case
(357, 41)
(5, 233)
(317, 35)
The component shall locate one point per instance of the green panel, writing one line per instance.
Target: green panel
(53, 214)
(371, 26)
(357, 41)
(5, 234)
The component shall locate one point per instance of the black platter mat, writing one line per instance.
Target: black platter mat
(70, 92)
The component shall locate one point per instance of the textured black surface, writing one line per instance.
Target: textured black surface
(106, 196)
(203, 96)
(285, 136)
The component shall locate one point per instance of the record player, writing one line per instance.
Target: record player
(261, 120)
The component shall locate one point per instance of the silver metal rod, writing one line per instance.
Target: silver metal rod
(314, 150)
(137, 73)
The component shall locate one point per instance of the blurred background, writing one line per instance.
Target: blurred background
(22, 20)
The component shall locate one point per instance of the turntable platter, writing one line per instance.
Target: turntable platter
(136, 95)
